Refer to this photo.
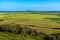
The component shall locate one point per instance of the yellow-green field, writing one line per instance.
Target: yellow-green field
(46, 23)
(39, 20)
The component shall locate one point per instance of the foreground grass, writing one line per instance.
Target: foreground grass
(9, 36)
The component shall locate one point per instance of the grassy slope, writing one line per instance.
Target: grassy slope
(41, 24)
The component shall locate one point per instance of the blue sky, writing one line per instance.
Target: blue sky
(23, 5)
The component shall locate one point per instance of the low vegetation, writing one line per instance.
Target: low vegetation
(26, 26)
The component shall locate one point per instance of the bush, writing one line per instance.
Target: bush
(12, 28)
(56, 36)
(48, 38)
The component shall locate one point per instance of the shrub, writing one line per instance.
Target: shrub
(1, 20)
(48, 38)
(27, 30)
(12, 28)
(56, 36)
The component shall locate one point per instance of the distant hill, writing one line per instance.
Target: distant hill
(32, 11)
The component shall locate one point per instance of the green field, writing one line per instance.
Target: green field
(29, 26)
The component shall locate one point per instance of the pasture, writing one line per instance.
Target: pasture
(45, 24)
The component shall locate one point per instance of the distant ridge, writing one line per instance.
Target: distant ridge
(33, 11)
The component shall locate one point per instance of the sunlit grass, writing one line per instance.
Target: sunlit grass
(39, 22)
